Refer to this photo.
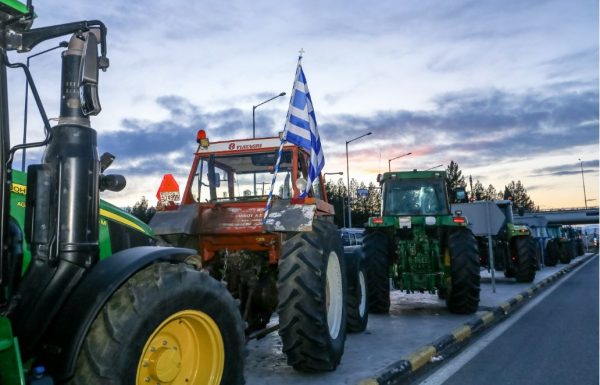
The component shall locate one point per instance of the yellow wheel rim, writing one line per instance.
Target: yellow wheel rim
(187, 349)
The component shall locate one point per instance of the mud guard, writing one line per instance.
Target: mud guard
(65, 335)
(285, 216)
(184, 220)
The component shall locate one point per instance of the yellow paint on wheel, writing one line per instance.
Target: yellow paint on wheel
(186, 348)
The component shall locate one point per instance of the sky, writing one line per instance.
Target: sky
(508, 90)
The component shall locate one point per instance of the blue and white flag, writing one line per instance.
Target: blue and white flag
(301, 127)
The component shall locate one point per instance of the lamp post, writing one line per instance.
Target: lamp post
(348, 176)
(62, 44)
(429, 169)
(254, 114)
(583, 181)
(390, 160)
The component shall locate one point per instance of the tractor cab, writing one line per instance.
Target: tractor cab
(414, 196)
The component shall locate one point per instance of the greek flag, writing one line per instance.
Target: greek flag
(301, 127)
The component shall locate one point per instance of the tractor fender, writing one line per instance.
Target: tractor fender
(64, 338)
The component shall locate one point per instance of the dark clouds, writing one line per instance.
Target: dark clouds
(589, 166)
(156, 147)
(474, 128)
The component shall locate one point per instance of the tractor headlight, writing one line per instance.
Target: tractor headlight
(301, 184)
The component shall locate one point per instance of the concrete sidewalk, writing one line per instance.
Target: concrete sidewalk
(418, 327)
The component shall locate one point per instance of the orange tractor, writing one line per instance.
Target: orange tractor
(290, 261)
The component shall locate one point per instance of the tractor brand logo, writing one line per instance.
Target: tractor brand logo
(18, 188)
(233, 146)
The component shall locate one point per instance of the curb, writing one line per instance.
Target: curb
(434, 351)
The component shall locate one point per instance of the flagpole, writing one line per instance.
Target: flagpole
(277, 163)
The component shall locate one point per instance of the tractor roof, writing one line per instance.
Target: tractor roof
(243, 145)
(396, 175)
(13, 7)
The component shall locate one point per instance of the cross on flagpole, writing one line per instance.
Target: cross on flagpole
(301, 52)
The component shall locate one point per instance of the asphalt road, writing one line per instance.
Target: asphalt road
(414, 321)
(551, 341)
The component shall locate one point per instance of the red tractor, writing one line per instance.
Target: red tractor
(290, 261)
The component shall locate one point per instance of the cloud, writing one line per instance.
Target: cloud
(473, 128)
(482, 126)
(589, 166)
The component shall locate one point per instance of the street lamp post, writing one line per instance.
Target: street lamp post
(254, 114)
(62, 44)
(429, 169)
(583, 181)
(390, 160)
(348, 176)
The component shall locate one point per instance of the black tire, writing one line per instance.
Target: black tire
(551, 257)
(375, 248)
(509, 272)
(564, 255)
(526, 264)
(462, 297)
(311, 305)
(123, 332)
(580, 247)
(357, 302)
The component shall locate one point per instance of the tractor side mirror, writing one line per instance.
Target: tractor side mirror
(217, 180)
(106, 160)
(460, 195)
(88, 84)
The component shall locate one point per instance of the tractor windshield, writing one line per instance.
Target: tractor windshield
(554, 232)
(414, 197)
(241, 177)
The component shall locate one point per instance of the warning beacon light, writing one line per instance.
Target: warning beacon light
(201, 139)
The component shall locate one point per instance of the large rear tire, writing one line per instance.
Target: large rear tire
(167, 324)
(551, 255)
(357, 305)
(463, 295)
(312, 297)
(526, 262)
(376, 247)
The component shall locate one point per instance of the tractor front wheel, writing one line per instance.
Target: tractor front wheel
(463, 295)
(375, 247)
(312, 297)
(357, 308)
(167, 324)
(551, 255)
(526, 262)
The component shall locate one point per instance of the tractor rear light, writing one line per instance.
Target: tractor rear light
(201, 139)
(378, 220)
(458, 219)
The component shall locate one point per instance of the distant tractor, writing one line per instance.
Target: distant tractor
(420, 244)
(514, 248)
(293, 263)
(561, 247)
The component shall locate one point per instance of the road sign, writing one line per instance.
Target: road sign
(485, 218)
(362, 192)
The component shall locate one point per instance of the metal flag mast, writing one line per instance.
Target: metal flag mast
(283, 138)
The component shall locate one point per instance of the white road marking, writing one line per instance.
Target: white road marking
(444, 373)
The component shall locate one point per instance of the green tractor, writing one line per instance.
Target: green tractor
(562, 246)
(420, 244)
(86, 296)
(514, 248)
